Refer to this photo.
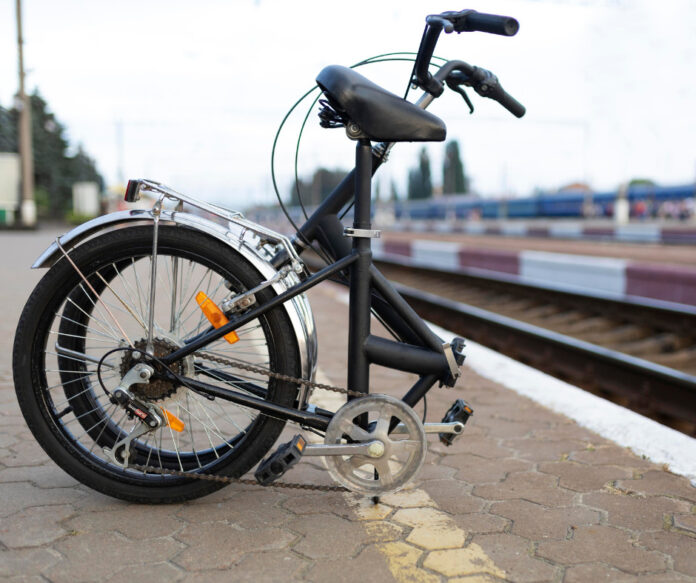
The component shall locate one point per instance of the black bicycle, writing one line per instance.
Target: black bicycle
(165, 346)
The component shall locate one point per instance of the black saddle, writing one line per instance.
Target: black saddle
(381, 115)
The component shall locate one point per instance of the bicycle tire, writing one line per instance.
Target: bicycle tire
(62, 309)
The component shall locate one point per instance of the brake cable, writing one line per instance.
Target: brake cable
(382, 58)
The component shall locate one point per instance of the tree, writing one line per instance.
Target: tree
(454, 180)
(8, 130)
(55, 171)
(419, 183)
(315, 191)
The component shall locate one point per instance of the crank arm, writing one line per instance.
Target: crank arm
(372, 449)
(454, 427)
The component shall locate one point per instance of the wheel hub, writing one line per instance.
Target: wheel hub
(156, 389)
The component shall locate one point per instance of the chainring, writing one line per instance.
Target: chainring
(404, 452)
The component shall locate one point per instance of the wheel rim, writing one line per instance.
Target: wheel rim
(80, 409)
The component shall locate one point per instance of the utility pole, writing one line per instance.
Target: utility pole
(28, 207)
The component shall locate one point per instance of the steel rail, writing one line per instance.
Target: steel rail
(648, 388)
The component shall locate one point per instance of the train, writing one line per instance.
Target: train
(565, 204)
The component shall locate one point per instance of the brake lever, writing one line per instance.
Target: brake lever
(457, 88)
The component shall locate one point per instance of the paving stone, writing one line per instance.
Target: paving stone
(365, 509)
(403, 558)
(484, 447)
(601, 573)
(433, 472)
(513, 554)
(685, 522)
(481, 523)
(16, 496)
(463, 561)
(543, 450)
(659, 483)
(218, 545)
(610, 455)
(452, 498)
(316, 503)
(34, 526)
(153, 573)
(602, 544)
(94, 557)
(252, 509)
(136, 522)
(576, 477)
(537, 522)
(337, 537)
(533, 486)
(681, 547)
(568, 430)
(477, 470)
(268, 566)
(27, 561)
(635, 512)
(421, 517)
(44, 476)
(443, 536)
(24, 453)
(413, 498)
(370, 559)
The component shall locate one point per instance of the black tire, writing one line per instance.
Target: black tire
(68, 410)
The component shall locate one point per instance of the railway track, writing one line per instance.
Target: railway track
(640, 353)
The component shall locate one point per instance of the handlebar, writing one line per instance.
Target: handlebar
(470, 21)
(484, 82)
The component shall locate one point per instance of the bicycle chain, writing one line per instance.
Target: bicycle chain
(244, 481)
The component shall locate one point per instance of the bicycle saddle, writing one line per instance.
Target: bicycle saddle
(381, 115)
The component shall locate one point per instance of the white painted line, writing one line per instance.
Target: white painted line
(643, 436)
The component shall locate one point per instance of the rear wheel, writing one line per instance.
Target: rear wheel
(65, 330)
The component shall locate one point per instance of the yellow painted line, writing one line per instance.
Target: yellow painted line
(435, 541)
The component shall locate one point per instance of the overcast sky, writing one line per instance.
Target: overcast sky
(199, 88)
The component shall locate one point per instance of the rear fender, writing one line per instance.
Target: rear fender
(232, 235)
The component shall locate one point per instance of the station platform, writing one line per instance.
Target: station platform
(526, 494)
(618, 270)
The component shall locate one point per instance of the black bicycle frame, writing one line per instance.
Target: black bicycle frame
(416, 348)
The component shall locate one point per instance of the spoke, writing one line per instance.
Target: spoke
(358, 461)
(129, 290)
(385, 474)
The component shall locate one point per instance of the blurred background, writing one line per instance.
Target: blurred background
(193, 97)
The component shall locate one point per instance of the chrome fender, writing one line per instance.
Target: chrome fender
(298, 309)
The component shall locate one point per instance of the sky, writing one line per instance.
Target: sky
(191, 93)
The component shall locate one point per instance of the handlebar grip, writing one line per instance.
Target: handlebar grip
(510, 103)
(491, 23)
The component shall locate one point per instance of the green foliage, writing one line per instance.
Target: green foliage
(419, 182)
(55, 171)
(454, 181)
(642, 182)
(8, 130)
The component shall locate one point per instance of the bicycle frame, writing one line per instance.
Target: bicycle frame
(416, 348)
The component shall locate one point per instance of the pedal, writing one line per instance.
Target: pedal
(458, 412)
(279, 462)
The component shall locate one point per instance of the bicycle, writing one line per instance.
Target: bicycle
(163, 352)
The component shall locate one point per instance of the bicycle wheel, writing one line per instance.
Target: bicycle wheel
(65, 330)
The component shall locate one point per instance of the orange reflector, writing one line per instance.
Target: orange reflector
(173, 421)
(215, 315)
(300, 444)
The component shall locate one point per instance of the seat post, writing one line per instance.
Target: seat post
(359, 310)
